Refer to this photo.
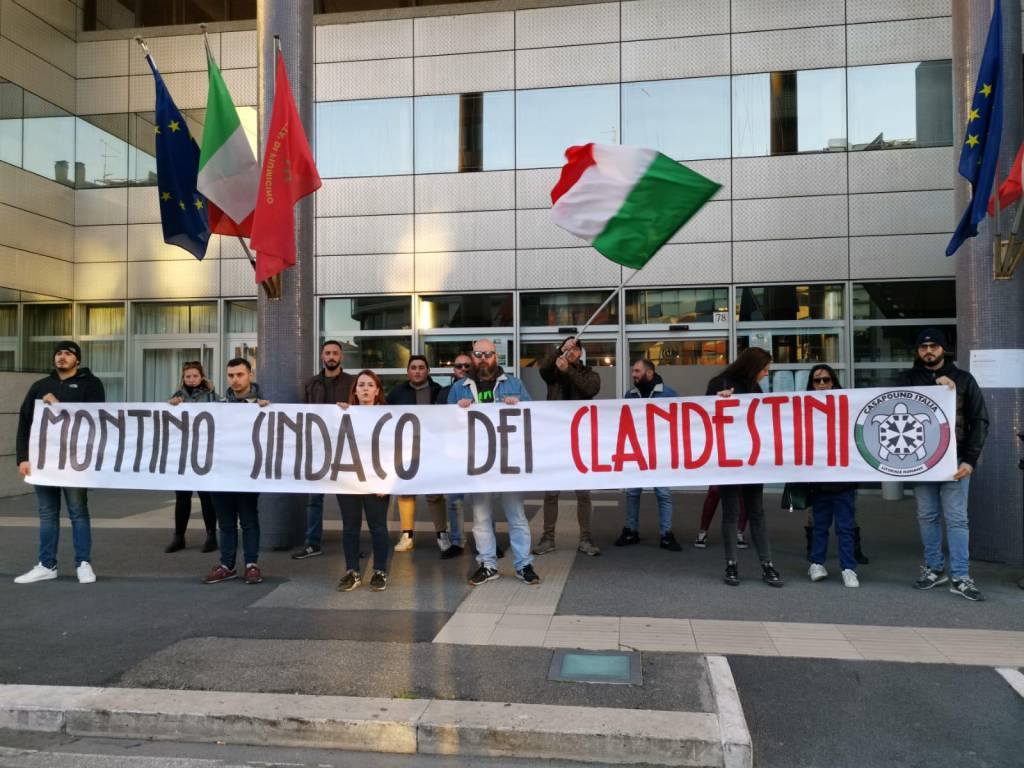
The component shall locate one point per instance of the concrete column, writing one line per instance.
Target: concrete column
(990, 313)
(286, 326)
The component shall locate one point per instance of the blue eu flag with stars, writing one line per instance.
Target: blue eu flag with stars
(980, 150)
(182, 209)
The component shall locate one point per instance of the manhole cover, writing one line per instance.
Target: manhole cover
(620, 668)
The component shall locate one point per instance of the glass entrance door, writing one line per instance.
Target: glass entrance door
(158, 366)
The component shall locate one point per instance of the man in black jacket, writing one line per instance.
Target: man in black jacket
(332, 385)
(948, 499)
(67, 383)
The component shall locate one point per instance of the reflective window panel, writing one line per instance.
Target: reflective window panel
(790, 302)
(160, 318)
(465, 132)
(904, 300)
(892, 343)
(791, 346)
(11, 124)
(49, 148)
(901, 105)
(549, 120)
(374, 351)
(677, 305)
(466, 310)
(241, 316)
(366, 313)
(441, 351)
(566, 309)
(370, 137)
(684, 119)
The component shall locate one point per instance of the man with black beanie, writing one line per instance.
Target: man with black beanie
(68, 382)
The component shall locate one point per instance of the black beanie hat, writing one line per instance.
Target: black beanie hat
(71, 347)
(931, 336)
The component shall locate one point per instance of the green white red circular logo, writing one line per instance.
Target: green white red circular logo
(902, 433)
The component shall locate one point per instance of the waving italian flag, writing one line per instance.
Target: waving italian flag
(626, 202)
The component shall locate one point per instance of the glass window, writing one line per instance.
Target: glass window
(906, 299)
(8, 320)
(174, 319)
(101, 150)
(901, 105)
(11, 124)
(551, 119)
(790, 302)
(102, 329)
(795, 347)
(441, 351)
(467, 310)
(241, 316)
(366, 313)
(465, 132)
(45, 324)
(892, 343)
(142, 155)
(364, 138)
(681, 351)
(776, 113)
(566, 309)
(677, 305)
(684, 119)
(600, 353)
(375, 351)
(50, 141)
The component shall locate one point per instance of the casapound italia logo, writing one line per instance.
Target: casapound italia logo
(902, 433)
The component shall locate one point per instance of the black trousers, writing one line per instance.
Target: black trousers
(183, 511)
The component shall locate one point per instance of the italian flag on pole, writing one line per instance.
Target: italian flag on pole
(228, 173)
(626, 202)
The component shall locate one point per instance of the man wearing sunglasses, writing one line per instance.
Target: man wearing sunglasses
(948, 499)
(460, 369)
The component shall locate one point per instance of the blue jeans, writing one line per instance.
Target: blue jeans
(839, 507)
(48, 498)
(232, 509)
(483, 528)
(664, 496)
(949, 500)
(315, 520)
(455, 512)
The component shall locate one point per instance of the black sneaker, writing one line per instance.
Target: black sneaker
(732, 575)
(966, 588)
(629, 536)
(453, 551)
(701, 542)
(668, 541)
(307, 552)
(351, 580)
(482, 575)
(498, 551)
(770, 576)
(930, 578)
(528, 576)
(379, 581)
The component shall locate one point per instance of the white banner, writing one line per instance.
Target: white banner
(844, 435)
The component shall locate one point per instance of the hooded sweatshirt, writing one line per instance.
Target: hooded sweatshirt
(83, 387)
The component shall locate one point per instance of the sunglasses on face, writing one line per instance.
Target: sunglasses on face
(483, 355)
(461, 366)
(822, 379)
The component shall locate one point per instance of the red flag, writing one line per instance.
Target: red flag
(1009, 190)
(221, 223)
(288, 175)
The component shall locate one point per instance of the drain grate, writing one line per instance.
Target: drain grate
(615, 667)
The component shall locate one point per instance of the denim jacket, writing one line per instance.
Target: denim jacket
(505, 386)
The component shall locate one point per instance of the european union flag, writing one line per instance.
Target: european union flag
(980, 149)
(182, 208)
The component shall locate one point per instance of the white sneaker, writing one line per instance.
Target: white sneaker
(405, 543)
(817, 572)
(850, 578)
(444, 541)
(85, 573)
(38, 573)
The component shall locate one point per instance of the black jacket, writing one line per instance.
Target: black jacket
(577, 382)
(404, 394)
(83, 387)
(971, 413)
(315, 390)
(722, 382)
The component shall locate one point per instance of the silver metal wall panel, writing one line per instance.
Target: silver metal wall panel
(107, 58)
(61, 14)
(902, 213)
(230, 248)
(716, 170)
(363, 80)
(789, 175)
(101, 282)
(533, 187)
(107, 205)
(858, 11)
(367, 40)
(34, 74)
(102, 95)
(24, 271)
(466, 271)
(188, 89)
(710, 225)
(465, 33)
(474, 231)
(751, 15)
(486, 191)
(675, 57)
(146, 243)
(578, 65)
(687, 264)
(571, 25)
(384, 273)
(241, 84)
(143, 205)
(790, 218)
(894, 41)
(174, 279)
(565, 268)
(536, 229)
(29, 192)
(465, 73)
(237, 278)
(101, 243)
(176, 53)
(364, 234)
(649, 19)
(238, 50)
(34, 34)
(904, 169)
(38, 234)
(791, 260)
(365, 196)
(900, 256)
(810, 48)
